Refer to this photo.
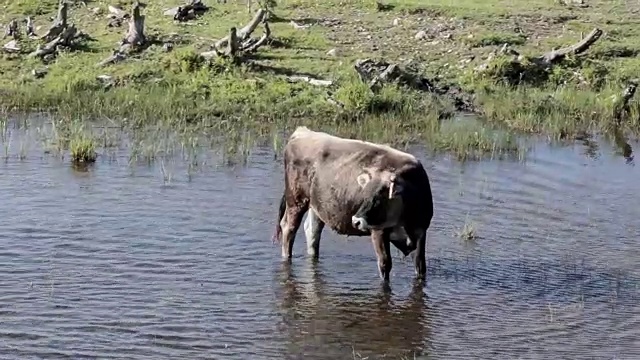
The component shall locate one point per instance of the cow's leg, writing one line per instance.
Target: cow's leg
(382, 247)
(290, 224)
(418, 236)
(313, 230)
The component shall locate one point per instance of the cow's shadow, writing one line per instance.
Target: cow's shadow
(319, 321)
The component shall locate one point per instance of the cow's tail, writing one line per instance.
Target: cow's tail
(281, 210)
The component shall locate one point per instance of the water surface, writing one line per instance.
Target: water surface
(119, 262)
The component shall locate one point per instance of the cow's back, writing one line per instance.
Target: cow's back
(323, 149)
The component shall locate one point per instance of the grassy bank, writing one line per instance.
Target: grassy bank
(180, 88)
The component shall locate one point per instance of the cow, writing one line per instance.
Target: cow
(357, 188)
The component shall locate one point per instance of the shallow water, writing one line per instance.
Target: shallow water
(117, 263)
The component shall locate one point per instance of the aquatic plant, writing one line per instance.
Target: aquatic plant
(468, 231)
(82, 147)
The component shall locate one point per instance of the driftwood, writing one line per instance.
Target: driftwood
(12, 30)
(240, 42)
(232, 44)
(309, 80)
(12, 46)
(59, 25)
(135, 39)
(39, 73)
(190, 11)
(577, 3)
(555, 56)
(378, 73)
(60, 35)
(30, 28)
(135, 36)
(537, 68)
(116, 16)
(621, 106)
(246, 31)
(250, 45)
(298, 26)
(63, 40)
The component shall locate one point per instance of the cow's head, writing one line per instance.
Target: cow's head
(382, 206)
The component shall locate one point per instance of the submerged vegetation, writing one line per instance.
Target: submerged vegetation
(387, 71)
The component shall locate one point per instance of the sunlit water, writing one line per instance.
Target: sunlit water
(117, 263)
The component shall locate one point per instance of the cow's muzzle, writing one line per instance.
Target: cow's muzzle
(359, 223)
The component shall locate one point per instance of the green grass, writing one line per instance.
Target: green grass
(179, 89)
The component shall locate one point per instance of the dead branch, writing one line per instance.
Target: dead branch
(116, 16)
(59, 25)
(117, 12)
(135, 35)
(535, 70)
(309, 80)
(12, 29)
(134, 40)
(63, 40)
(246, 31)
(250, 46)
(232, 44)
(240, 45)
(115, 57)
(555, 56)
(190, 11)
(378, 73)
(577, 3)
(39, 73)
(298, 26)
(30, 28)
(60, 35)
(621, 106)
(12, 46)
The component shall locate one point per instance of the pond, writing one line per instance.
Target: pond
(157, 261)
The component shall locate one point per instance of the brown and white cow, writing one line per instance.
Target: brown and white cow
(357, 188)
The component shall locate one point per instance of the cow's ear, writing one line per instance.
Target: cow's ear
(363, 179)
(395, 186)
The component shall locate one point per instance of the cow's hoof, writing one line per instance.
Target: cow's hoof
(383, 273)
(421, 271)
(313, 253)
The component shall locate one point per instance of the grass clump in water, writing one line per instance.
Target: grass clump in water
(468, 139)
(82, 147)
(468, 231)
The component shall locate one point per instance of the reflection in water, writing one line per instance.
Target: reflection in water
(590, 148)
(621, 142)
(539, 282)
(323, 323)
(82, 169)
